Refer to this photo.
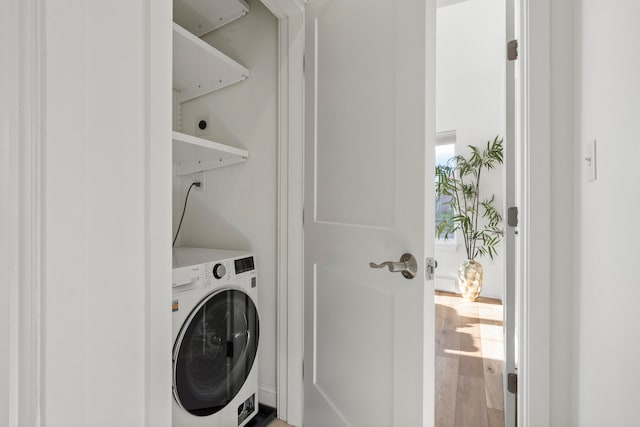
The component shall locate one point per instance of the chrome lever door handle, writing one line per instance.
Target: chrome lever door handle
(407, 265)
(394, 267)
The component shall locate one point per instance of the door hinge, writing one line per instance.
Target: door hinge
(512, 383)
(512, 216)
(512, 50)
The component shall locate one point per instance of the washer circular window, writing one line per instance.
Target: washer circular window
(216, 352)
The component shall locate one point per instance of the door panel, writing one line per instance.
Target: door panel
(353, 343)
(369, 144)
(362, 116)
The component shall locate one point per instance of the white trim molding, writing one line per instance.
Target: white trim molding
(445, 3)
(158, 173)
(9, 214)
(268, 395)
(21, 194)
(290, 14)
(534, 296)
(446, 137)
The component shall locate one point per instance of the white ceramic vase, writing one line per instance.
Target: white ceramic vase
(470, 279)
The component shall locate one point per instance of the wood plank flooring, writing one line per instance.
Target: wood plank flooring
(278, 423)
(469, 354)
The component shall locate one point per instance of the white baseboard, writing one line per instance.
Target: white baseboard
(446, 284)
(267, 395)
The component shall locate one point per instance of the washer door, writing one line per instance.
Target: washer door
(215, 352)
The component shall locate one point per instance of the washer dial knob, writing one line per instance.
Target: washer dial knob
(219, 271)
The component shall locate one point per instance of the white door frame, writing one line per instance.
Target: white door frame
(535, 296)
(290, 15)
(21, 252)
(510, 238)
(21, 216)
(158, 104)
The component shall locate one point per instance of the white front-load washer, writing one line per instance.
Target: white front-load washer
(215, 333)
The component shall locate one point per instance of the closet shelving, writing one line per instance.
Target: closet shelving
(203, 16)
(193, 154)
(198, 69)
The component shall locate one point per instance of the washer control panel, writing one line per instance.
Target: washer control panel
(198, 267)
(242, 265)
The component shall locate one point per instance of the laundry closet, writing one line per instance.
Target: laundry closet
(225, 134)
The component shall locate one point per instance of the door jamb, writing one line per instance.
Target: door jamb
(157, 104)
(511, 241)
(22, 226)
(534, 294)
(290, 15)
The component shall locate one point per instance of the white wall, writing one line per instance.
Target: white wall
(562, 217)
(237, 209)
(96, 362)
(562, 213)
(607, 292)
(470, 99)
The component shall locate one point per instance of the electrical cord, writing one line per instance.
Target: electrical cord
(184, 209)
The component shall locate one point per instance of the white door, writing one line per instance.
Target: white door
(370, 112)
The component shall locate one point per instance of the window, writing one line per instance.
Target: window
(445, 150)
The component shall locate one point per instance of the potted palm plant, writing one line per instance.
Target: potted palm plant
(475, 218)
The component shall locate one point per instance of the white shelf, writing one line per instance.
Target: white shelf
(203, 16)
(193, 154)
(199, 68)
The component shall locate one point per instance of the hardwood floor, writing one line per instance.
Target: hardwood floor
(278, 423)
(469, 354)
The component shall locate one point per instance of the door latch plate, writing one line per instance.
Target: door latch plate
(430, 268)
